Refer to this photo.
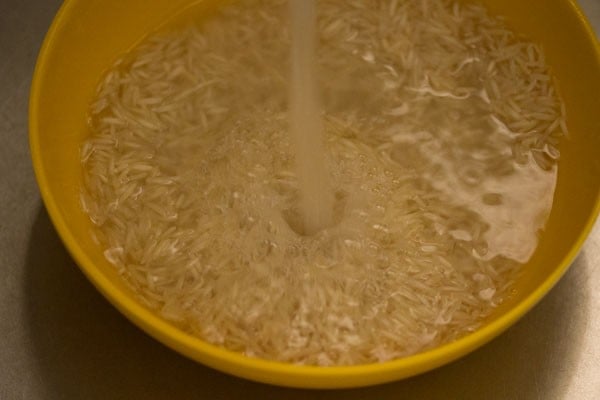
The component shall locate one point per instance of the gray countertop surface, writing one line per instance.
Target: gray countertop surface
(59, 339)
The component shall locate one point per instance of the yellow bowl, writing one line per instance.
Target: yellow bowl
(87, 36)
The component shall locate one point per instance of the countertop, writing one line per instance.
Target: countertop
(60, 339)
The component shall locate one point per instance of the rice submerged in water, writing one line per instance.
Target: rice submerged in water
(441, 130)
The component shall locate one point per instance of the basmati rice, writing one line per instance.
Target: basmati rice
(441, 132)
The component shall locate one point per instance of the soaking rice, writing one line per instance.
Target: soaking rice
(442, 131)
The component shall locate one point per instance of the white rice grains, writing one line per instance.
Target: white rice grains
(442, 132)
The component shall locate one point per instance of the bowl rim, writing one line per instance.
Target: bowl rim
(262, 370)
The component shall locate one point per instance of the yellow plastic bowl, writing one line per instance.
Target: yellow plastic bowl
(87, 36)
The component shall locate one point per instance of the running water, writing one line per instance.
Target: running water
(306, 125)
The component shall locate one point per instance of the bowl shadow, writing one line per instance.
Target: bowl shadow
(85, 349)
